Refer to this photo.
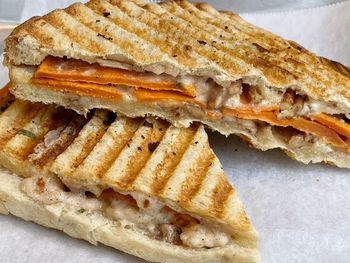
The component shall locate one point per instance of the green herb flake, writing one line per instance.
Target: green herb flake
(26, 133)
(81, 210)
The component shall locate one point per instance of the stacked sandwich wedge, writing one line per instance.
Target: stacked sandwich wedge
(139, 185)
(186, 62)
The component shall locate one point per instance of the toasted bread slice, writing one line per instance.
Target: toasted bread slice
(185, 62)
(303, 139)
(139, 185)
(180, 39)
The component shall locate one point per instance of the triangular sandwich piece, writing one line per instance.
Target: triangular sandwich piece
(185, 62)
(139, 185)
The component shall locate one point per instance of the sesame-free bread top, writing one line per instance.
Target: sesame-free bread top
(175, 165)
(178, 38)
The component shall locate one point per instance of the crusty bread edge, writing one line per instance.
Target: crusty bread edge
(95, 228)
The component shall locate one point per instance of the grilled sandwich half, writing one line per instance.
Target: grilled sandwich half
(185, 62)
(138, 185)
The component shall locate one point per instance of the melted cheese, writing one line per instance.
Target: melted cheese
(199, 236)
(77, 70)
(77, 75)
(146, 95)
(131, 209)
(298, 123)
(50, 190)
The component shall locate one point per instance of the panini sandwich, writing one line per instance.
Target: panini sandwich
(185, 62)
(139, 185)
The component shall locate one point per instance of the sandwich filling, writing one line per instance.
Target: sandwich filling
(206, 98)
(134, 210)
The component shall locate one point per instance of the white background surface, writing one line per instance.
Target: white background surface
(301, 212)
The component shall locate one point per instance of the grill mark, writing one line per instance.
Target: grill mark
(197, 173)
(83, 40)
(65, 138)
(113, 152)
(166, 22)
(186, 44)
(282, 44)
(236, 49)
(90, 142)
(274, 44)
(165, 169)
(278, 74)
(35, 31)
(220, 195)
(24, 112)
(128, 46)
(60, 117)
(157, 38)
(139, 159)
(22, 151)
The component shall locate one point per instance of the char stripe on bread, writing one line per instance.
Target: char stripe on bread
(12, 120)
(285, 54)
(281, 62)
(243, 79)
(175, 165)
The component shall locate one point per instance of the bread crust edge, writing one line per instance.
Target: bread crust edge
(95, 228)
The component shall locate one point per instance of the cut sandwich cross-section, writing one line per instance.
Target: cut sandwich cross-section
(185, 62)
(140, 185)
(53, 74)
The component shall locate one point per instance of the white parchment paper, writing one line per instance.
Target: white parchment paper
(301, 212)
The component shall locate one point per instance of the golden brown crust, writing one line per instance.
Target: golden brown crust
(179, 38)
(95, 228)
(131, 153)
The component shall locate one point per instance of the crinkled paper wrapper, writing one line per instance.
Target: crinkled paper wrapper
(302, 213)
